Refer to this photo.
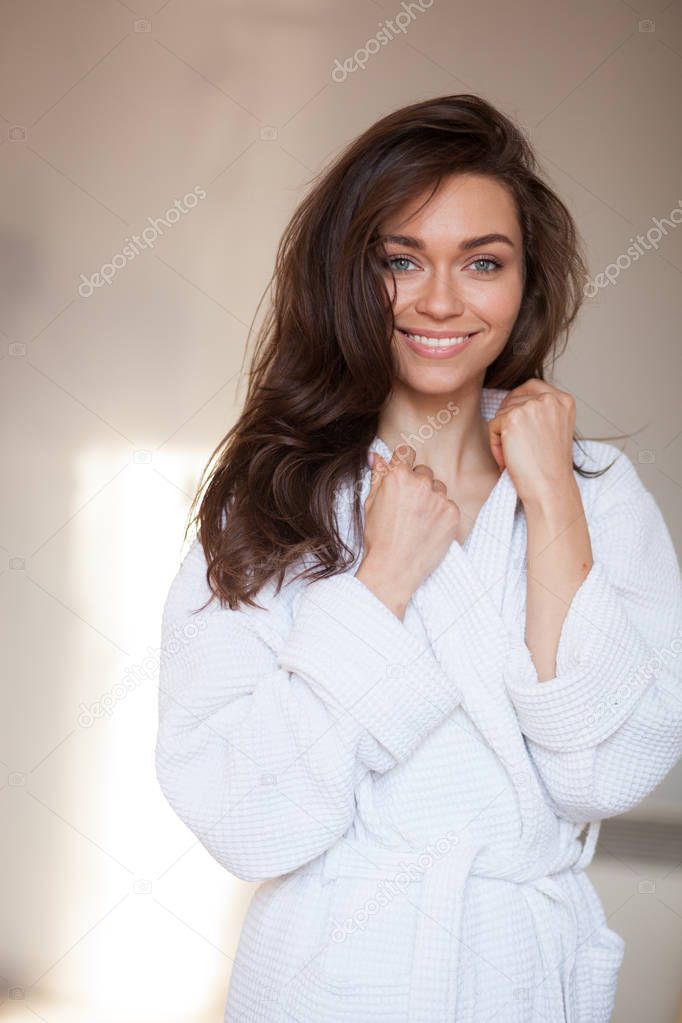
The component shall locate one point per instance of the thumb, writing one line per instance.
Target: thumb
(378, 470)
(495, 440)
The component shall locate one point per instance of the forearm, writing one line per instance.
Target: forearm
(559, 557)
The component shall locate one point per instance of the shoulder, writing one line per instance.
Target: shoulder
(188, 584)
(190, 596)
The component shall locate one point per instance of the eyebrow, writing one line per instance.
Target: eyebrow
(468, 243)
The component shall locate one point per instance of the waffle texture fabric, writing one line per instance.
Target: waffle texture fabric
(418, 807)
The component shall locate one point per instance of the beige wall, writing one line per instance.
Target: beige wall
(111, 112)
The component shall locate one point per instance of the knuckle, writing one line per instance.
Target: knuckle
(404, 450)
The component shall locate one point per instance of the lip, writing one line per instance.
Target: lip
(437, 353)
(438, 333)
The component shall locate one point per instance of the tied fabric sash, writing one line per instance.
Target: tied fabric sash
(434, 980)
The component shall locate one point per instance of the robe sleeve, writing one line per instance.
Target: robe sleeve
(608, 727)
(261, 744)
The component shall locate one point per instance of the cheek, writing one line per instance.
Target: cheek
(498, 301)
(395, 299)
(403, 293)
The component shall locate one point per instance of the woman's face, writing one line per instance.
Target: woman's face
(453, 278)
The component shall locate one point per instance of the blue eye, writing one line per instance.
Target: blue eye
(394, 261)
(397, 259)
(488, 259)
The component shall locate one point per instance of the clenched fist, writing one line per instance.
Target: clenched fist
(410, 523)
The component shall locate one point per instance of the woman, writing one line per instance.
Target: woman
(405, 744)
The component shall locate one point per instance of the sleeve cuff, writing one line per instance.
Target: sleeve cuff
(355, 653)
(603, 667)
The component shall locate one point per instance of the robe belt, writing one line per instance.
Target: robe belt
(434, 988)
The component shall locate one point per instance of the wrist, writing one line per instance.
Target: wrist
(553, 502)
(392, 592)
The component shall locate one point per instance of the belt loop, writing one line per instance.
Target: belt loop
(589, 844)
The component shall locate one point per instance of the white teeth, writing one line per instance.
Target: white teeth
(437, 342)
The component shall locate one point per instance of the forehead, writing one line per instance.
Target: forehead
(462, 206)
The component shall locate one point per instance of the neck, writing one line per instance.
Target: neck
(448, 432)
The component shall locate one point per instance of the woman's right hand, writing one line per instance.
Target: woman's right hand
(409, 525)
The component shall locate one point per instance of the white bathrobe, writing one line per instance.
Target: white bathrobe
(412, 797)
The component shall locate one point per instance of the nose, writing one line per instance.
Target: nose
(438, 297)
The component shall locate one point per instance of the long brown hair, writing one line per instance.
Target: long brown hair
(323, 367)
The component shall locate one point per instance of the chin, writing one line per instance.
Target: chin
(435, 382)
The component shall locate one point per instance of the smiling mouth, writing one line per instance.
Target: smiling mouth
(437, 342)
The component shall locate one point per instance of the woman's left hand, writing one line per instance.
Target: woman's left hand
(532, 437)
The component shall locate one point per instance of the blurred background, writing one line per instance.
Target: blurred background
(151, 153)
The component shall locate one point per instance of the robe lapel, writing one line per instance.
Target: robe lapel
(462, 605)
(489, 545)
(486, 555)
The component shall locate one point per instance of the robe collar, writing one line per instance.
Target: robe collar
(487, 549)
(468, 606)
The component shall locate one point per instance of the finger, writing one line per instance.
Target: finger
(533, 385)
(377, 473)
(404, 453)
(495, 440)
(511, 400)
(529, 389)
